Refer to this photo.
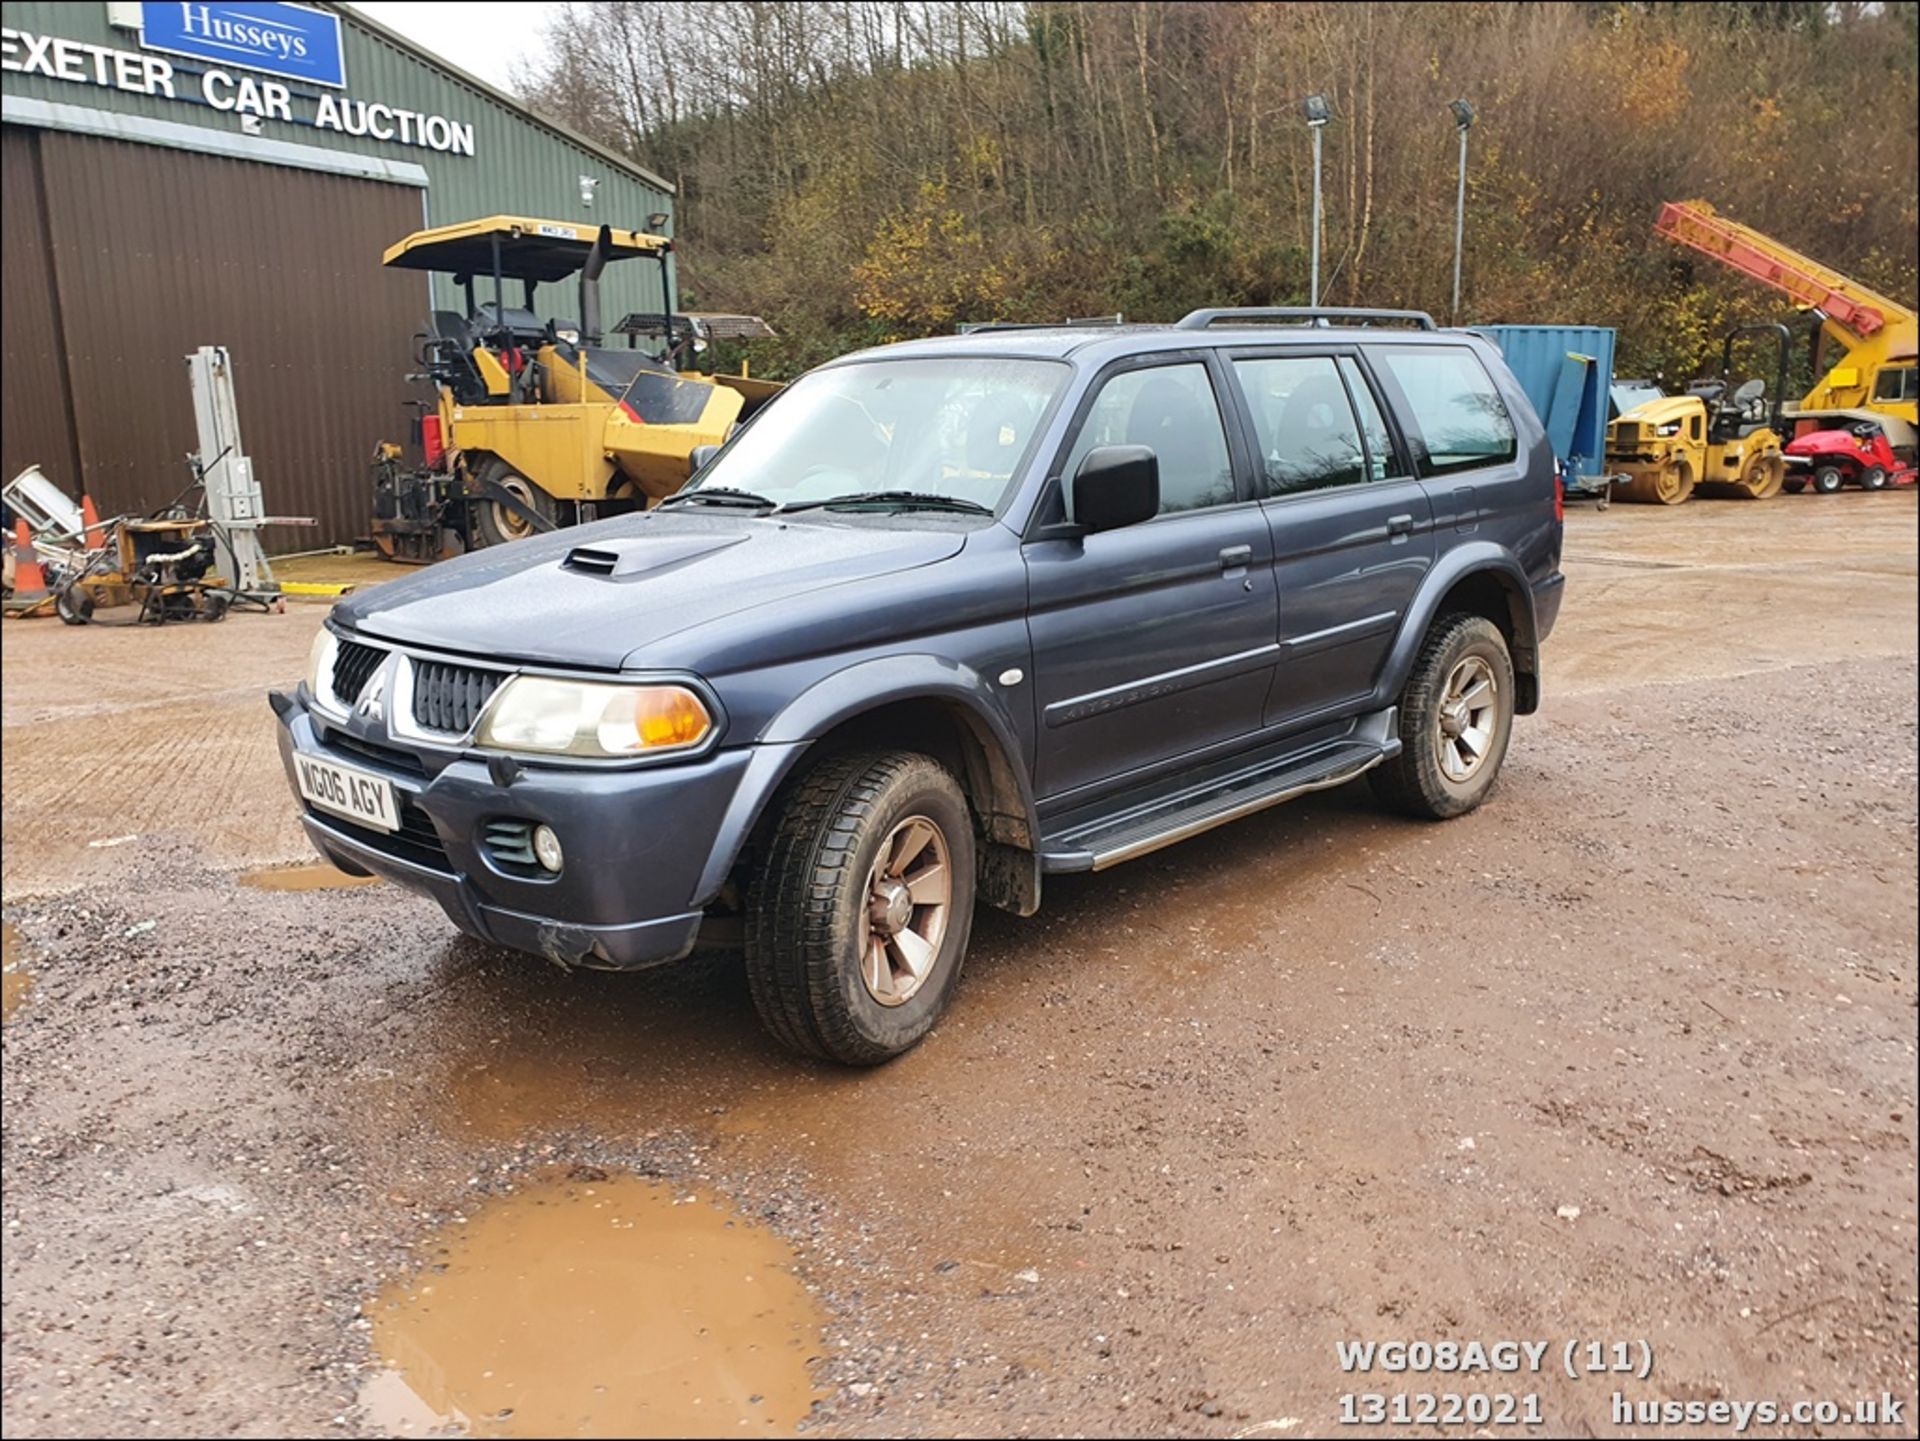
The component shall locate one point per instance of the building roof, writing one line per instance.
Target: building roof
(502, 97)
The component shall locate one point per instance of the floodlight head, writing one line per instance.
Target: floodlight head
(1316, 109)
(657, 222)
(1462, 113)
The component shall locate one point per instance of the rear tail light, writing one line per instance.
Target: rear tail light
(1559, 500)
(432, 445)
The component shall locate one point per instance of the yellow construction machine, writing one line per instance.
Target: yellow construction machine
(1719, 438)
(535, 423)
(1873, 377)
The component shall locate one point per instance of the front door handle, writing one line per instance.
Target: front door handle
(1236, 557)
(1399, 525)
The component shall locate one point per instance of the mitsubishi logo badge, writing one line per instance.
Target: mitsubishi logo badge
(373, 700)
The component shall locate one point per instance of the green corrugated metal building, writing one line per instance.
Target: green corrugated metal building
(195, 173)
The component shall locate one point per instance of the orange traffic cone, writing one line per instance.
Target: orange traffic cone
(96, 533)
(29, 580)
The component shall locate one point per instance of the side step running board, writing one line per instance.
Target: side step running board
(1139, 831)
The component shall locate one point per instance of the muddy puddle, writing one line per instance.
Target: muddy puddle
(591, 1305)
(13, 964)
(316, 877)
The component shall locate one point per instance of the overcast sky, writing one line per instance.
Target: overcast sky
(483, 39)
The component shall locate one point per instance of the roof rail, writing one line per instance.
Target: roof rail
(1296, 314)
(1072, 322)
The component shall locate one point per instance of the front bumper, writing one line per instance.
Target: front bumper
(638, 843)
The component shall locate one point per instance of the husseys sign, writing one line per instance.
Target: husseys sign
(288, 40)
(292, 41)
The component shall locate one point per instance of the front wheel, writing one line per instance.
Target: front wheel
(860, 907)
(1873, 478)
(1456, 716)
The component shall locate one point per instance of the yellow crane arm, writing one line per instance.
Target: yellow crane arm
(1848, 304)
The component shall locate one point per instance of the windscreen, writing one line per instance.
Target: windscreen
(955, 427)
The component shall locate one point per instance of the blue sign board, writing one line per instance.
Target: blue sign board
(288, 40)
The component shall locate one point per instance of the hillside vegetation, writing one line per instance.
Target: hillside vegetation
(865, 171)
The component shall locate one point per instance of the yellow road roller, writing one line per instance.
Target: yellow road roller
(1717, 439)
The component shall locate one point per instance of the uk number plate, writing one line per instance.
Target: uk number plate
(369, 800)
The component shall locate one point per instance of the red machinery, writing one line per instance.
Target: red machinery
(1857, 454)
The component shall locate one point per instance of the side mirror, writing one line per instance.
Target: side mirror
(698, 457)
(1116, 485)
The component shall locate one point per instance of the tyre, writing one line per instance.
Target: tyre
(1456, 717)
(493, 523)
(73, 605)
(1873, 478)
(1794, 486)
(1828, 480)
(860, 905)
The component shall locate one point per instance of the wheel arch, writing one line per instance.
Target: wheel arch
(918, 703)
(1478, 580)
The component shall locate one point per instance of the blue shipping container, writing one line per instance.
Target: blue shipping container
(1566, 371)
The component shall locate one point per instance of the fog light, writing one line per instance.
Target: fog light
(546, 848)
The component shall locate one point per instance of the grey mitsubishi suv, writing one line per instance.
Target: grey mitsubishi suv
(946, 618)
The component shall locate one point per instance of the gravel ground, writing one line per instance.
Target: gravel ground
(1628, 1054)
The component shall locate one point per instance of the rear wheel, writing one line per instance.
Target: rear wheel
(1827, 479)
(494, 523)
(1873, 478)
(860, 907)
(1794, 486)
(1762, 478)
(1456, 716)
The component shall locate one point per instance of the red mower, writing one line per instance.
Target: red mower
(1857, 453)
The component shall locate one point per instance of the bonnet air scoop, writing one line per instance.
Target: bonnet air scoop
(643, 555)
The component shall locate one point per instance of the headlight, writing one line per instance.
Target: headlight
(326, 645)
(588, 718)
(1673, 429)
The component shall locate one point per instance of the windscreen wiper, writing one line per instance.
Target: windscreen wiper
(719, 495)
(897, 499)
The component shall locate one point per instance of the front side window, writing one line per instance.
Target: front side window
(1172, 409)
(1309, 439)
(1460, 414)
(953, 427)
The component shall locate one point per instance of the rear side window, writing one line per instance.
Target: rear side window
(1308, 438)
(1453, 402)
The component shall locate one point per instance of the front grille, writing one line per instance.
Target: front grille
(415, 841)
(1626, 433)
(510, 842)
(449, 697)
(353, 666)
(367, 750)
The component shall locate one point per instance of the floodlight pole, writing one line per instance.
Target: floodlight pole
(1314, 296)
(1463, 121)
(1317, 112)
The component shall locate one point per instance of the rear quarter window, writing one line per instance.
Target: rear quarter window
(1463, 423)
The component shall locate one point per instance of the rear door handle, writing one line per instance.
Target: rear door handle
(1236, 557)
(1399, 525)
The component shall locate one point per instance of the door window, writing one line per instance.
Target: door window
(1172, 409)
(1461, 417)
(1308, 437)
